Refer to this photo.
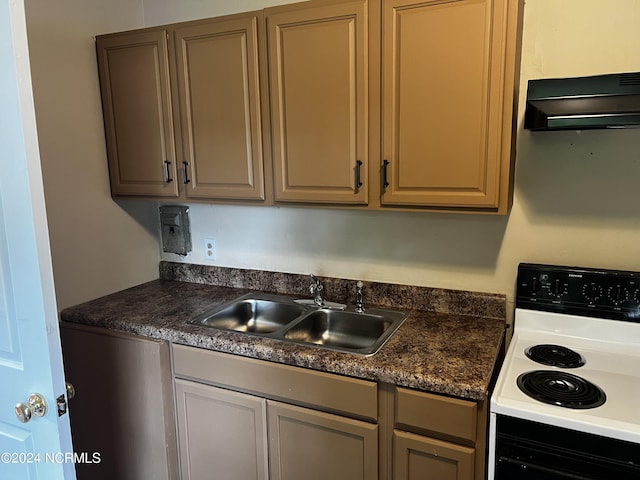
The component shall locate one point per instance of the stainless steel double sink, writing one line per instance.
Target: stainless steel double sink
(280, 317)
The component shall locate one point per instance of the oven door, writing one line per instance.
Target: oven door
(527, 450)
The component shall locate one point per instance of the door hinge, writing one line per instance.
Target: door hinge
(61, 403)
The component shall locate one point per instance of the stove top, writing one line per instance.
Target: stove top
(574, 358)
(613, 367)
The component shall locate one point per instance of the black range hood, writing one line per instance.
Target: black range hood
(601, 101)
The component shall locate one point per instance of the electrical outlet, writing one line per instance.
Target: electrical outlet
(210, 249)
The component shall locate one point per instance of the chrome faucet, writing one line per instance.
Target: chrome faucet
(359, 298)
(317, 290)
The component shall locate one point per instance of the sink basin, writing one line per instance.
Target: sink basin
(346, 330)
(253, 314)
(280, 317)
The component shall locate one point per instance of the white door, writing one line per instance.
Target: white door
(30, 356)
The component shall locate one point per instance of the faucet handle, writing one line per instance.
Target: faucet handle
(316, 289)
(359, 298)
(316, 285)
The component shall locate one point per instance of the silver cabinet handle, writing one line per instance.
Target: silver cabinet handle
(36, 405)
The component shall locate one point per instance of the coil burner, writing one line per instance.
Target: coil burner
(555, 356)
(562, 389)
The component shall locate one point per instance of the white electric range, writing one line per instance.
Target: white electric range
(566, 404)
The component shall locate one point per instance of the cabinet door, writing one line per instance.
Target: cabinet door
(417, 457)
(222, 434)
(313, 445)
(219, 92)
(318, 85)
(123, 407)
(136, 102)
(444, 79)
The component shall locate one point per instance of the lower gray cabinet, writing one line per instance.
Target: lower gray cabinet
(311, 445)
(123, 408)
(222, 433)
(232, 434)
(246, 419)
(418, 457)
(437, 437)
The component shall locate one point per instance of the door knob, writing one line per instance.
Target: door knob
(36, 405)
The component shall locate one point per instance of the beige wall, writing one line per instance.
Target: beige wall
(576, 196)
(97, 245)
(159, 12)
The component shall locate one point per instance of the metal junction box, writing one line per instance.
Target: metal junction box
(176, 229)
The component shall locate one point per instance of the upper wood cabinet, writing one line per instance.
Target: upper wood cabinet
(437, 81)
(317, 58)
(378, 104)
(448, 70)
(182, 107)
(219, 101)
(136, 100)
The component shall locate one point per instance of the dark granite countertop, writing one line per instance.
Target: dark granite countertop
(445, 353)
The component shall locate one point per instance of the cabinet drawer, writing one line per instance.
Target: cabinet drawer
(434, 413)
(323, 391)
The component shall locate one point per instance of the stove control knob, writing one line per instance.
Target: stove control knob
(534, 285)
(592, 292)
(557, 287)
(618, 294)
